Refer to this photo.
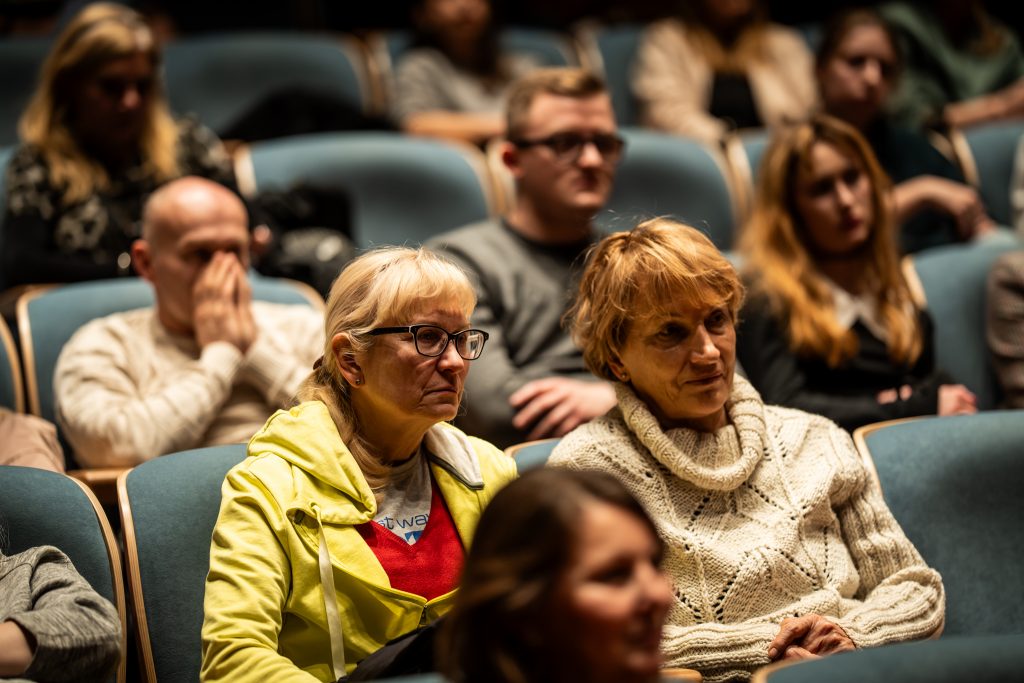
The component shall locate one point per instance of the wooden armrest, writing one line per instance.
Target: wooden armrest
(691, 675)
(102, 481)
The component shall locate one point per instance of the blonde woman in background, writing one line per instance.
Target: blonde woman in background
(97, 139)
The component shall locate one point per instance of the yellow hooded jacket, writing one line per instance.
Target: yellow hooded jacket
(265, 609)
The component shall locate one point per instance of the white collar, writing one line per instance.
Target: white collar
(850, 308)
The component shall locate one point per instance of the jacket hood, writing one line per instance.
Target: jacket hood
(306, 438)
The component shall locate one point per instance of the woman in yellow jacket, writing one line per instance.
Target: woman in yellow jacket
(347, 524)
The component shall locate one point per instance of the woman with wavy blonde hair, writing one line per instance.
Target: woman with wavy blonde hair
(97, 139)
(831, 326)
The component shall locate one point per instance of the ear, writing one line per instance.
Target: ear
(510, 156)
(618, 369)
(142, 259)
(341, 347)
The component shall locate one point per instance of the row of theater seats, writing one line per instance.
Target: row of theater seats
(953, 484)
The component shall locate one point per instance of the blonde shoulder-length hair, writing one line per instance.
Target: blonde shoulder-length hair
(782, 269)
(382, 287)
(645, 272)
(100, 33)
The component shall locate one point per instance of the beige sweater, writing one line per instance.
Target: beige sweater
(769, 517)
(673, 81)
(128, 391)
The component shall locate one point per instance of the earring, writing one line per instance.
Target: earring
(624, 377)
(358, 381)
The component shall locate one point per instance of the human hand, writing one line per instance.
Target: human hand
(557, 405)
(808, 637)
(963, 203)
(956, 399)
(222, 304)
(892, 395)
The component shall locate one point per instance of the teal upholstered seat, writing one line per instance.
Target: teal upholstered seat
(169, 506)
(954, 484)
(667, 175)
(403, 189)
(20, 59)
(612, 49)
(531, 454)
(992, 148)
(39, 507)
(953, 280)
(991, 659)
(221, 77)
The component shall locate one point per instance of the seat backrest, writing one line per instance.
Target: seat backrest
(953, 281)
(20, 59)
(403, 190)
(12, 391)
(221, 77)
(169, 506)
(989, 158)
(744, 151)
(667, 175)
(531, 454)
(40, 507)
(988, 659)
(954, 484)
(612, 50)
(47, 317)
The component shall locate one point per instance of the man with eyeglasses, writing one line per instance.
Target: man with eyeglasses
(205, 365)
(562, 149)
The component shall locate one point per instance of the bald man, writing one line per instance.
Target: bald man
(206, 365)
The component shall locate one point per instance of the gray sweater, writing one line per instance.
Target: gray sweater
(77, 632)
(523, 288)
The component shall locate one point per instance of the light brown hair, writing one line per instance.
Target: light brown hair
(565, 82)
(634, 275)
(782, 268)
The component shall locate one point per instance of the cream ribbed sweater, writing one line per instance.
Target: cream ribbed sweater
(769, 517)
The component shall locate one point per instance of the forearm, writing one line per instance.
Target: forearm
(15, 650)
(720, 652)
(452, 125)
(1003, 104)
(275, 364)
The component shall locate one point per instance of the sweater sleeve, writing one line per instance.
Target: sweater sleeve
(77, 632)
(900, 597)
(774, 369)
(673, 84)
(290, 339)
(105, 415)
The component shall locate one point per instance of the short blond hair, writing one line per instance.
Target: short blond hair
(645, 272)
(382, 287)
(562, 81)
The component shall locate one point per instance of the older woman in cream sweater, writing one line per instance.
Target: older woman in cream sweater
(779, 545)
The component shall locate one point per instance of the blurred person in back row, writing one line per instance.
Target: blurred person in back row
(97, 139)
(562, 149)
(832, 326)
(206, 365)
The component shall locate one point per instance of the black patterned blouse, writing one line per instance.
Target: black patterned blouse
(45, 241)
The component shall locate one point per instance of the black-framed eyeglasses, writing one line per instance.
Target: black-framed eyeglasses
(567, 147)
(432, 340)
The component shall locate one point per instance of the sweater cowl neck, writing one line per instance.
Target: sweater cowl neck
(719, 460)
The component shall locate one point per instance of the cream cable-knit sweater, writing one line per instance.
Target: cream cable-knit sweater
(771, 516)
